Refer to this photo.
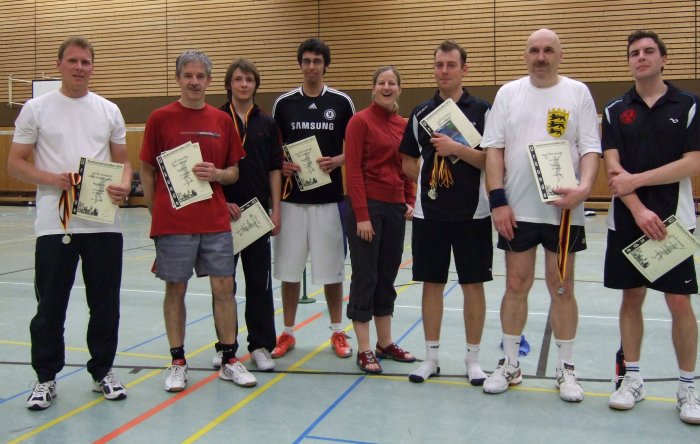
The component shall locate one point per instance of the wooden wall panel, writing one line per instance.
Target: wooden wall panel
(405, 34)
(129, 40)
(593, 34)
(17, 44)
(265, 31)
(137, 41)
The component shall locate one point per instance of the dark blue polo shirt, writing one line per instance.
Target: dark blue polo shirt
(648, 138)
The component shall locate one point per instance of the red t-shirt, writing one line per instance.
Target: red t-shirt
(171, 126)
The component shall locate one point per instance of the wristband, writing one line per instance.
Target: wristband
(497, 198)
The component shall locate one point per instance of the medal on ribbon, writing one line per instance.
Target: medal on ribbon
(64, 206)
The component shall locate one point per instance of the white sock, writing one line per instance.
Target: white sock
(685, 380)
(473, 353)
(289, 330)
(335, 328)
(511, 346)
(432, 351)
(565, 351)
(632, 366)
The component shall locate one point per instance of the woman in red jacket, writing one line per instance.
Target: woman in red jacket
(381, 199)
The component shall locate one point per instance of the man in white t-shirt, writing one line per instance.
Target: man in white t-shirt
(58, 129)
(542, 106)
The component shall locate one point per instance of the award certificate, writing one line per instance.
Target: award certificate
(655, 258)
(450, 120)
(91, 199)
(304, 153)
(251, 226)
(183, 186)
(552, 166)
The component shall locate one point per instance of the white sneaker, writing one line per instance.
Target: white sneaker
(263, 360)
(630, 392)
(505, 375)
(424, 371)
(569, 388)
(216, 360)
(41, 395)
(110, 387)
(689, 405)
(475, 374)
(236, 372)
(176, 379)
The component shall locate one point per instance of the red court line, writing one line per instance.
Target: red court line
(165, 404)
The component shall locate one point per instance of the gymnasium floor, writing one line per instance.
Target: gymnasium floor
(314, 396)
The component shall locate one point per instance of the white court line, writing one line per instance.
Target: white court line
(413, 307)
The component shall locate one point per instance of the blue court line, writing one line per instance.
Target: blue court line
(323, 438)
(79, 369)
(305, 433)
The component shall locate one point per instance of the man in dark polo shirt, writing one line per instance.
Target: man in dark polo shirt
(651, 145)
(451, 217)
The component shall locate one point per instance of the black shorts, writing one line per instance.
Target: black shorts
(530, 234)
(621, 274)
(469, 241)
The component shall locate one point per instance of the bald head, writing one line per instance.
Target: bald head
(543, 54)
(544, 35)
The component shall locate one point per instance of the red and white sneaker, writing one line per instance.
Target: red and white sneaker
(285, 343)
(339, 344)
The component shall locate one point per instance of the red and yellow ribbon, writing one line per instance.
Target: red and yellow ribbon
(564, 234)
(441, 175)
(65, 203)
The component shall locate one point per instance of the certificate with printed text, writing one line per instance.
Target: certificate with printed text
(552, 167)
(304, 153)
(183, 186)
(91, 199)
(655, 258)
(450, 120)
(253, 224)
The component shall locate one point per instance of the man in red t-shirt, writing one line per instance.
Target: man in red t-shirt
(196, 236)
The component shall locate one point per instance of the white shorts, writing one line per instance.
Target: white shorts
(310, 228)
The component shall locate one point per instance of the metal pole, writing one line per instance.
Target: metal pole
(305, 299)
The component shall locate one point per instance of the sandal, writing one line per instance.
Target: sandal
(393, 351)
(367, 358)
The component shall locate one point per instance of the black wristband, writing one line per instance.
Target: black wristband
(497, 198)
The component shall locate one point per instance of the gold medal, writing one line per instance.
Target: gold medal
(432, 193)
(65, 239)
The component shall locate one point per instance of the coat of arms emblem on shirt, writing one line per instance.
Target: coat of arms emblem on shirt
(556, 122)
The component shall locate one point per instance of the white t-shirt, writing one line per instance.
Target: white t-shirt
(63, 130)
(522, 114)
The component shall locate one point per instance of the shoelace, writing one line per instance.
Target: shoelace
(691, 398)
(178, 371)
(569, 376)
(110, 379)
(239, 367)
(41, 388)
(341, 340)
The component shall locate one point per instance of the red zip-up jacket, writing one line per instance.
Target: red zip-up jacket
(372, 160)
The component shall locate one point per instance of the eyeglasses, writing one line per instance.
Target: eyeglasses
(307, 62)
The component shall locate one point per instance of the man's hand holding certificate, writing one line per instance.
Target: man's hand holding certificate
(655, 258)
(305, 153)
(448, 119)
(552, 167)
(177, 166)
(92, 200)
(252, 223)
